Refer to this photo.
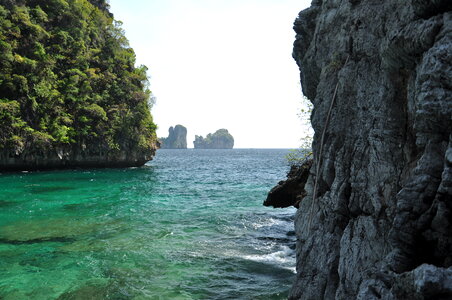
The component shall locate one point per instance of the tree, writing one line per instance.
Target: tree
(68, 78)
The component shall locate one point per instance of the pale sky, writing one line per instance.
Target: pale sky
(220, 64)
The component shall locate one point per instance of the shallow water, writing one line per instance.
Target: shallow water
(188, 225)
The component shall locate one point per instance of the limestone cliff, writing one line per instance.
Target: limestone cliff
(221, 139)
(379, 74)
(177, 138)
(85, 156)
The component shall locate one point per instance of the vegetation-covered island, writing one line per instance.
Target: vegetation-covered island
(221, 139)
(177, 138)
(70, 94)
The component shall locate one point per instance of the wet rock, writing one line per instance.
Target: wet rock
(70, 158)
(290, 191)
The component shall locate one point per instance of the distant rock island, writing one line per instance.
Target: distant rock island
(221, 139)
(177, 138)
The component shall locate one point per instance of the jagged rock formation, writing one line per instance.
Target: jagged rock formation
(221, 139)
(177, 138)
(379, 74)
(291, 191)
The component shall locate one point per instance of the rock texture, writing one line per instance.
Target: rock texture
(177, 138)
(76, 156)
(221, 139)
(380, 224)
(291, 191)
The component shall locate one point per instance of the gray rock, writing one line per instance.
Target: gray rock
(221, 139)
(75, 156)
(379, 226)
(290, 192)
(177, 138)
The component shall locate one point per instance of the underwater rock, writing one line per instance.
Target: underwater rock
(47, 230)
(99, 289)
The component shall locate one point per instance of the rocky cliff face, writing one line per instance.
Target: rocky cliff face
(177, 138)
(221, 139)
(379, 74)
(75, 157)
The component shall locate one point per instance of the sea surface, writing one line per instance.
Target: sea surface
(188, 225)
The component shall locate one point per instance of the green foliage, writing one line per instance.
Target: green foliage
(297, 157)
(68, 76)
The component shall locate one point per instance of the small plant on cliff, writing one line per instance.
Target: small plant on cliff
(299, 156)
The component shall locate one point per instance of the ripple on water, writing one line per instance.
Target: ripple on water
(191, 225)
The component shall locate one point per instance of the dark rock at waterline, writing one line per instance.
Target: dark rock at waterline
(290, 191)
(177, 138)
(380, 226)
(280, 240)
(70, 157)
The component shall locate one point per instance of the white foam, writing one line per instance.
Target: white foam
(268, 223)
(282, 258)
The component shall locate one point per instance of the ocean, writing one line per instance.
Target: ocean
(188, 225)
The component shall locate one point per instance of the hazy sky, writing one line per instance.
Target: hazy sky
(220, 64)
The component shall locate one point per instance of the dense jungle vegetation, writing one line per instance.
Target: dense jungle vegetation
(68, 79)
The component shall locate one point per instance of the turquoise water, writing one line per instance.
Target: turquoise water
(188, 225)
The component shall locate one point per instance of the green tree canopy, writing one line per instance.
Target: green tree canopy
(68, 78)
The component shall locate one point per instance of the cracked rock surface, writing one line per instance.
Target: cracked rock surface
(380, 226)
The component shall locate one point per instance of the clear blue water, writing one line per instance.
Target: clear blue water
(188, 225)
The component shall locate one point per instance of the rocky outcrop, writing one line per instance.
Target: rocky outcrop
(291, 191)
(177, 138)
(221, 139)
(376, 222)
(75, 157)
